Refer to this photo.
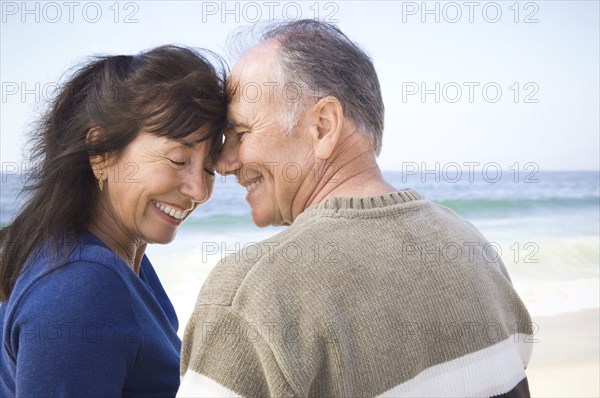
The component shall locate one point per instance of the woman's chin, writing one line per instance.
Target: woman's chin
(162, 239)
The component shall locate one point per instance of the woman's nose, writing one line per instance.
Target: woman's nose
(197, 186)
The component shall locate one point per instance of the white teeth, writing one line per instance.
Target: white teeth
(254, 185)
(178, 214)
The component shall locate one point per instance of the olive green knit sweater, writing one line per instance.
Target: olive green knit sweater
(386, 295)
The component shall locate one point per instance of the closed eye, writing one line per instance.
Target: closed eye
(177, 163)
(212, 173)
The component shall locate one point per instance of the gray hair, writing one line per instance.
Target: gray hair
(318, 60)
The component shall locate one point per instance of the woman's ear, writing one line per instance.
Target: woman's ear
(329, 118)
(98, 163)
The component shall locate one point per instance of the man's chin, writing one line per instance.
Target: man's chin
(263, 220)
(259, 221)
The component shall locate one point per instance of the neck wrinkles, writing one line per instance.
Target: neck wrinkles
(352, 170)
(108, 231)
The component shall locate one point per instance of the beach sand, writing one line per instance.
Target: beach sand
(182, 277)
(565, 360)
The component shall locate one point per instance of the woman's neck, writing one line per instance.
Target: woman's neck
(129, 250)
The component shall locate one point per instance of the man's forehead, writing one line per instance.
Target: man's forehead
(250, 85)
(231, 84)
(255, 63)
(239, 115)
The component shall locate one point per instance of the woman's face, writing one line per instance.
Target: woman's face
(153, 186)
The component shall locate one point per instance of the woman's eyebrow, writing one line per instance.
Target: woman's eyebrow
(191, 144)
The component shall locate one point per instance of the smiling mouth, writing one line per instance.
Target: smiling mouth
(256, 183)
(176, 214)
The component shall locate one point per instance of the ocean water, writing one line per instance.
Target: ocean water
(545, 226)
(506, 203)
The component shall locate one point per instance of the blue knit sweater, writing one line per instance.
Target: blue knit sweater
(91, 327)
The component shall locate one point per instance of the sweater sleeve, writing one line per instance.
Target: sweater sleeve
(226, 356)
(74, 333)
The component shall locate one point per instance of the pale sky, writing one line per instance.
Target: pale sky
(515, 81)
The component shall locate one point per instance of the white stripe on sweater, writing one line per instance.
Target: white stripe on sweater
(491, 371)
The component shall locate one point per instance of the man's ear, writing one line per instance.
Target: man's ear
(97, 162)
(329, 118)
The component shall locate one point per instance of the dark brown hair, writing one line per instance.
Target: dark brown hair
(169, 91)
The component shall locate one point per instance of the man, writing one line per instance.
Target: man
(370, 290)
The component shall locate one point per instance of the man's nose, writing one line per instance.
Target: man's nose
(228, 161)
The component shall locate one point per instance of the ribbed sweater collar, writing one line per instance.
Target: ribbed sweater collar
(363, 206)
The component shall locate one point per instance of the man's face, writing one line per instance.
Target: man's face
(270, 164)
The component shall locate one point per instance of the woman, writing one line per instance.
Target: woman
(122, 158)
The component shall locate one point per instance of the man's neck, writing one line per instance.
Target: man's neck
(352, 170)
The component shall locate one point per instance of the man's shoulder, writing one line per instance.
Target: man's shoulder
(315, 247)
(263, 264)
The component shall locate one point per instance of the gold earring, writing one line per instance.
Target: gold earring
(100, 180)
